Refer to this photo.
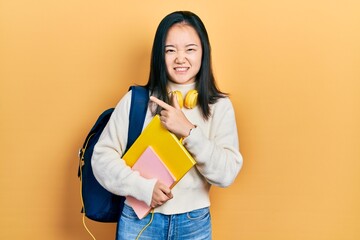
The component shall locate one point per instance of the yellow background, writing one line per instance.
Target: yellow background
(292, 69)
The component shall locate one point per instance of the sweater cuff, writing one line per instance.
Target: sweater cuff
(143, 190)
(197, 144)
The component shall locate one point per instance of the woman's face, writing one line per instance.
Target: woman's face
(183, 53)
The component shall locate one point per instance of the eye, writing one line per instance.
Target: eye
(169, 50)
(191, 50)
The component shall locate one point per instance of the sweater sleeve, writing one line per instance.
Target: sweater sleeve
(109, 168)
(217, 156)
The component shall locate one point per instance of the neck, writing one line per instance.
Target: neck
(183, 88)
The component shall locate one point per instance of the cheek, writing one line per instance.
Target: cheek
(197, 61)
(168, 62)
(197, 58)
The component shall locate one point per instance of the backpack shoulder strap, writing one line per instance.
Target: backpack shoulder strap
(138, 108)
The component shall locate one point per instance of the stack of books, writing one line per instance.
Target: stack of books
(157, 153)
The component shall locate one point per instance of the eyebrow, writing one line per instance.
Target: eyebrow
(188, 45)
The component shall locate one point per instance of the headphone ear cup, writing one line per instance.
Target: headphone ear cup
(179, 98)
(191, 99)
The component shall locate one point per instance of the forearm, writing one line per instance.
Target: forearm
(109, 168)
(218, 164)
(215, 146)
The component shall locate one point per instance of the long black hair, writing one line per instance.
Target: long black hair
(208, 92)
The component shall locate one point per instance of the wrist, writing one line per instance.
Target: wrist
(190, 130)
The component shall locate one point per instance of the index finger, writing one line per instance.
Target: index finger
(162, 104)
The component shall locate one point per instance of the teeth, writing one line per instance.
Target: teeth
(181, 69)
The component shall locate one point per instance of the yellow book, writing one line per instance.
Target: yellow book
(169, 149)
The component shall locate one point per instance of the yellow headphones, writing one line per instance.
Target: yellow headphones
(190, 98)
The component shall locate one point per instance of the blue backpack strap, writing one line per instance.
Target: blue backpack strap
(138, 108)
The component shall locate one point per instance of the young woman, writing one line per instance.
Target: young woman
(180, 61)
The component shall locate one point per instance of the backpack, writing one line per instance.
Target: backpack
(97, 203)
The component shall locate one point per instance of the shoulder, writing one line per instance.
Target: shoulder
(141, 94)
(222, 108)
(123, 106)
(222, 104)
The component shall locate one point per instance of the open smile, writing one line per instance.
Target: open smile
(181, 69)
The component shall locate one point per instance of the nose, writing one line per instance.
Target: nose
(180, 57)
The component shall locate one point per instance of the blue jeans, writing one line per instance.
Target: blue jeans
(194, 225)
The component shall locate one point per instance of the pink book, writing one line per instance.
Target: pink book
(149, 165)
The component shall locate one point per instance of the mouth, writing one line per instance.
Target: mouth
(181, 69)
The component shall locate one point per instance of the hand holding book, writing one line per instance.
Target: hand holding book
(161, 195)
(149, 165)
(157, 153)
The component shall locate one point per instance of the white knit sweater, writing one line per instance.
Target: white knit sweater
(213, 144)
